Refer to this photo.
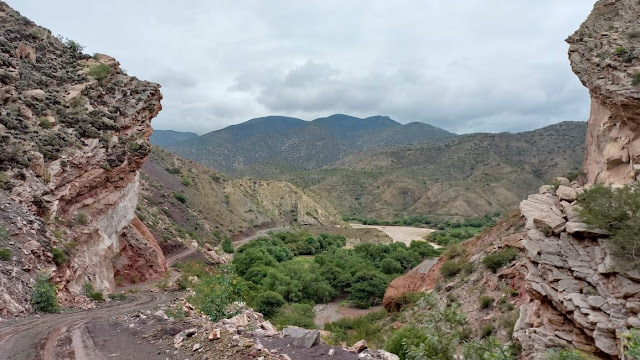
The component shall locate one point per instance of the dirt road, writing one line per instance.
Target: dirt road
(66, 335)
(237, 244)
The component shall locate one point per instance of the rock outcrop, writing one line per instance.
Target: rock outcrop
(604, 53)
(74, 133)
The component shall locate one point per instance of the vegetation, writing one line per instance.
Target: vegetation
(616, 211)
(4, 233)
(621, 50)
(180, 197)
(636, 79)
(216, 291)
(45, 296)
(5, 254)
(88, 291)
(355, 329)
(301, 315)
(631, 343)
(450, 268)
(99, 72)
(227, 245)
(82, 219)
(497, 260)
(416, 220)
(486, 302)
(117, 297)
(269, 302)
(304, 269)
(59, 257)
(45, 123)
(567, 355)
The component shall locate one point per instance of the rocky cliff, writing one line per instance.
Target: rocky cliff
(580, 295)
(604, 53)
(74, 134)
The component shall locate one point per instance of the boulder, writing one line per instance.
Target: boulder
(308, 340)
(26, 52)
(561, 181)
(550, 220)
(358, 347)
(583, 230)
(294, 331)
(214, 335)
(37, 94)
(566, 193)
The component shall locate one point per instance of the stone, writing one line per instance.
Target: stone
(547, 189)
(583, 230)
(566, 193)
(550, 220)
(308, 340)
(561, 181)
(214, 335)
(596, 301)
(294, 331)
(26, 52)
(197, 347)
(331, 352)
(190, 332)
(358, 347)
(37, 94)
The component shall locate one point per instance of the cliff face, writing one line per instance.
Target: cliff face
(605, 54)
(580, 296)
(74, 135)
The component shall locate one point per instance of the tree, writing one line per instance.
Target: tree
(45, 296)
(368, 288)
(269, 302)
(390, 266)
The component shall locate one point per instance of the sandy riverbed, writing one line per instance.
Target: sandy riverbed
(400, 233)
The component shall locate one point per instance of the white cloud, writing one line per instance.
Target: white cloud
(468, 65)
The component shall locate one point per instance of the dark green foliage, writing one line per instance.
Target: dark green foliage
(81, 219)
(99, 72)
(390, 266)
(568, 355)
(173, 170)
(73, 45)
(268, 303)
(368, 288)
(352, 330)
(301, 315)
(45, 123)
(497, 260)
(59, 257)
(45, 296)
(180, 197)
(227, 245)
(5, 254)
(616, 211)
(488, 349)
(118, 297)
(450, 268)
(486, 302)
(416, 220)
(213, 293)
(636, 79)
(487, 330)
(403, 338)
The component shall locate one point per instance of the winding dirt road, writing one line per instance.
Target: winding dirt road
(65, 336)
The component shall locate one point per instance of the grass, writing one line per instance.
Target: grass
(352, 330)
(59, 257)
(99, 72)
(5, 254)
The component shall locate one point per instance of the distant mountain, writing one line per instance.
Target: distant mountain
(467, 175)
(300, 144)
(165, 138)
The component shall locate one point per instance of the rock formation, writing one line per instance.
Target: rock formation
(604, 53)
(74, 134)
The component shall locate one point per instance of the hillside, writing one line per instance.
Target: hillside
(298, 143)
(469, 175)
(187, 201)
(168, 137)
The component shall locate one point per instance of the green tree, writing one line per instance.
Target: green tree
(390, 266)
(45, 295)
(214, 293)
(368, 288)
(268, 303)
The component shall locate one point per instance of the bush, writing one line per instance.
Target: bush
(616, 211)
(4, 233)
(450, 268)
(497, 260)
(73, 45)
(403, 338)
(117, 297)
(5, 254)
(82, 219)
(268, 303)
(180, 197)
(301, 315)
(487, 330)
(569, 355)
(631, 343)
(467, 267)
(100, 72)
(368, 288)
(454, 250)
(215, 292)
(88, 291)
(45, 296)
(186, 182)
(636, 79)
(620, 50)
(352, 330)
(45, 123)
(390, 266)
(59, 257)
(488, 349)
(227, 245)
(486, 302)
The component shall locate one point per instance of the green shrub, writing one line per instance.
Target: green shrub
(486, 302)
(508, 322)
(268, 303)
(82, 219)
(631, 343)
(467, 268)
(616, 211)
(5, 254)
(4, 233)
(487, 330)
(620, 50)
(186, 182)
(368, 288)
(295, 314)
(390, 266)
(352, 330)
(176, 313)
(213, 293)
(73, 45)
(88, 291)
(45, 296)
(99, 72)
(636, 79)
(118, 297)
(173, 170)
(403, 338)
(59, 257)
(45, 123)
(454, 250)
(180, 197)
(227, 245)
(450, 268)
(497, 260)
(488, 349)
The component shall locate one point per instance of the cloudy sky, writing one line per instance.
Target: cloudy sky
(464, 65)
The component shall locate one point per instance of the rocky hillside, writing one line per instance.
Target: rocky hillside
(74, 132)
(188, 201)
(468, 176)
(299, 144)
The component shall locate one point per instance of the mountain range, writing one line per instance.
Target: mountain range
(301, 144)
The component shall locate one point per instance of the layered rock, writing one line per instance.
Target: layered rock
(604, 54)
(579, 296)
(74, 135)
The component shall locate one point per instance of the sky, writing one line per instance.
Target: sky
(463, 65)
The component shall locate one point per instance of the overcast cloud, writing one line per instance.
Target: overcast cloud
(464, 65)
